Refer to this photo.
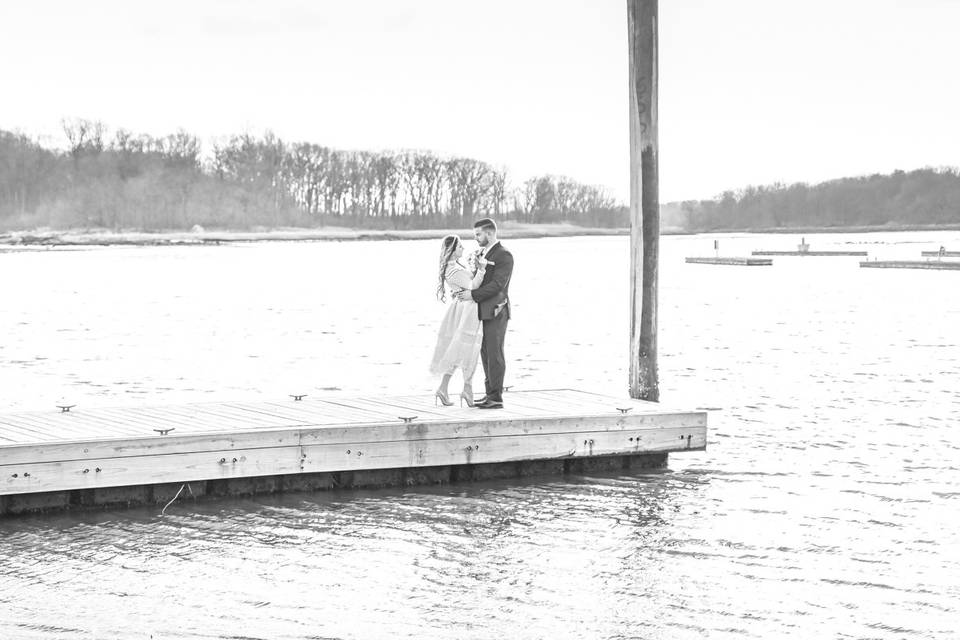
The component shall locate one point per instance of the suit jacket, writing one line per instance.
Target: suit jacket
(494, 290)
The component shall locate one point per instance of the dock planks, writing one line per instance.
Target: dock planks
(99, 448)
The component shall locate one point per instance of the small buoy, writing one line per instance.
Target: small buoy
(297, 397)
(407, 419)
(164, 432)
(624, 409)
(65, 408)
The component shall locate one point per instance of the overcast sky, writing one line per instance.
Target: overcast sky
(751, 91)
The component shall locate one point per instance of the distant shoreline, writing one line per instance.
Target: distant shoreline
(877, 228)
(33, 240)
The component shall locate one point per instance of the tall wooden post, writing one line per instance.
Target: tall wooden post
(644, 199)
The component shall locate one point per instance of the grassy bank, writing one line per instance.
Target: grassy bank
(79, 238)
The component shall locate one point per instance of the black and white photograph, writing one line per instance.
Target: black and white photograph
(529, 319)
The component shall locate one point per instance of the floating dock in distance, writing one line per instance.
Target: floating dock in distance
(746, 262)
(937, 254)
(911, 264)
(809, 253)
(102, 457)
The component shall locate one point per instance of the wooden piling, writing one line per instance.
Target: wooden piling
(642, 17)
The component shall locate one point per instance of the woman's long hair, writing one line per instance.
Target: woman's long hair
(449, 245)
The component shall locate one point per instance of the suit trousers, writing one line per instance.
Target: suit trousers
(491, 356)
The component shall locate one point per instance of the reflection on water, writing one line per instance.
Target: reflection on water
(827, 500)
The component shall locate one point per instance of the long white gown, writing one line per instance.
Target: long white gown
(461, 332)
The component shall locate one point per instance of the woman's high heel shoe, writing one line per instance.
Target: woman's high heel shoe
(466, 396)
(440, 397)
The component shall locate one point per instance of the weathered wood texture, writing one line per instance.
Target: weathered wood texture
(42, 452)
(809, 253)
(642, 28)
(942, 265)
(745, 262)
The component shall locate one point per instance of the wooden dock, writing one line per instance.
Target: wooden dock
(809, 253)
(746, 262)
(911, 264)
(103, 457)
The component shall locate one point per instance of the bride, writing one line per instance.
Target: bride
(461, 333)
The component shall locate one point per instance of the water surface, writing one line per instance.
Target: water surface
(825, 505)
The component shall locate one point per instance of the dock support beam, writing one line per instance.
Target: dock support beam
(158, 495)
(642, 17)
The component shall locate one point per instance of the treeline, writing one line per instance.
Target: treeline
(120, 180)
(922, 197)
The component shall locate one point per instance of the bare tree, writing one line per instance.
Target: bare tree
(83, 136)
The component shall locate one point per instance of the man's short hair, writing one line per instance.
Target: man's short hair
(485, 223)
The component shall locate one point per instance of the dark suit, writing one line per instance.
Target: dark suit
(493, 305)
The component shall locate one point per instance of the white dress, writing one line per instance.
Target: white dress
(461, 333)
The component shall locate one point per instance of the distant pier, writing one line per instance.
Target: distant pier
(940, 254)
(911, 264)
(80, 458)
(803, 249)
(745, 262)
(809, 253)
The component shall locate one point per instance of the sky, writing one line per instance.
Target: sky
(751, 91)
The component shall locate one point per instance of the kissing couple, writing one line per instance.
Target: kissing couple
(475, 322)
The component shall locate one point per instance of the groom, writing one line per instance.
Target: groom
(493, 305)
